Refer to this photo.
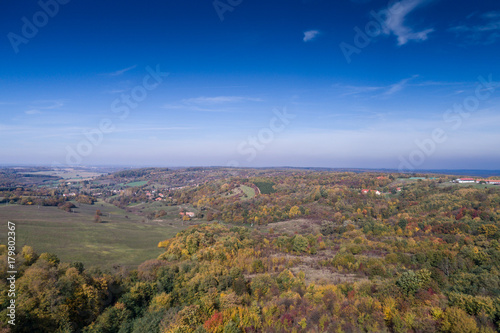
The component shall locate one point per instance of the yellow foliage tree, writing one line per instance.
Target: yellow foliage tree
(294, 211)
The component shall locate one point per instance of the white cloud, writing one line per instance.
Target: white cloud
(33, 111)
(396, 87)
(48, 104)
(486, 31)
(36, 106)
(211, 104)
(378, 90)
(492, 15)
(395, 22)
(310, 35)
(356, 90)
(122, 71)
(115, 91)
(155, 129)
(220, 100)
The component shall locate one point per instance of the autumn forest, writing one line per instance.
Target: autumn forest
(271, 250)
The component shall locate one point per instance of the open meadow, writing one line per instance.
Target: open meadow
(68, 174)
(121, 239)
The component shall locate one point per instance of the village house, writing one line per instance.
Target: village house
(189, 214)
(465, 180)
(489, 181)
(478, 181)
(365, 191)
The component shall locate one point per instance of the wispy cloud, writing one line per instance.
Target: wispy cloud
(310, 35)
(49, 104)
(211, 104)
(486, 29)
(33, 111)
(356, 90)
(441, 83)
(28, 130)
(376, 91)
(70, 132)
(37, 106)
(492, 15)
(155, 129)
(395, 22)
(397, 87)
(220, 100)
(179, 106)
(122, 71)
(115, 91)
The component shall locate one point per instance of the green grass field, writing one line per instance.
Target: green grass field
(250, 192)
(473, 185)
(247, 190)
(134, 184)
(68, 174)
(75, 237)
(172, 211)
(407, 180)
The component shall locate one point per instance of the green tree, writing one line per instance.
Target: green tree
(300, 244)
(409, 282)
(456, 320)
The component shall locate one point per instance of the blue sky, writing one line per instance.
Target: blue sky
(408, 84)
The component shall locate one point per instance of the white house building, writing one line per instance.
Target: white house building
(465, 180)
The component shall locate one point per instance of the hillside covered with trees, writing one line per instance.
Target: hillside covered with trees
(303, 252)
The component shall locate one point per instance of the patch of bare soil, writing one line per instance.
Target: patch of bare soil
(314, 272)
(301, 226)
(325, 275)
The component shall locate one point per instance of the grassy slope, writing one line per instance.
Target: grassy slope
(139, 183)
(250, 192)
(75, 237)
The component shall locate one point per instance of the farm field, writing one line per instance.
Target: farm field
(134, 184)
(408, 180)
(172, 212)
(75, 237)
(68, 174)
(472, 185)
(249, 193)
